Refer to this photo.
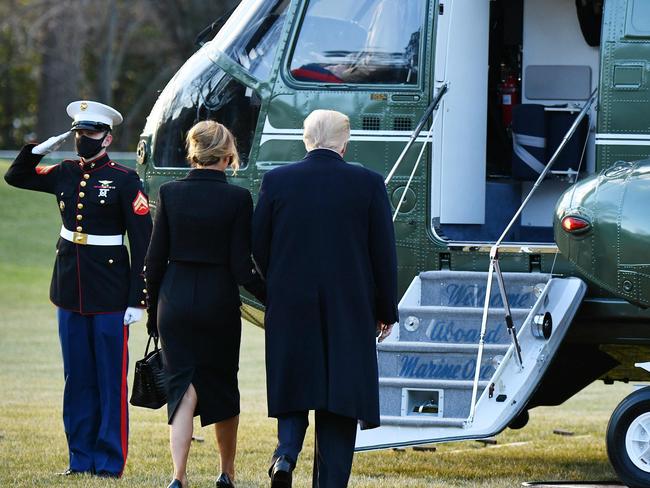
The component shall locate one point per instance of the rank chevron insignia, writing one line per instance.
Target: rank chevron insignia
(140, 204)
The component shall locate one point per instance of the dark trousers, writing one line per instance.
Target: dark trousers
(95, 365)
(334, 446)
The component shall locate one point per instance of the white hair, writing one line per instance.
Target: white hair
(326, 129)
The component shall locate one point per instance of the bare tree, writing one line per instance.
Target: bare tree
(184, 19)
(119, 52)
(64, 27)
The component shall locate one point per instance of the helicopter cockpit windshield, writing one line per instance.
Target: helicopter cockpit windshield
(202, 90)
(251, 35)
(371, 41)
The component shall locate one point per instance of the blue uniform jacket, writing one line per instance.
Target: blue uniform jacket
(101, 198)
(323, 238)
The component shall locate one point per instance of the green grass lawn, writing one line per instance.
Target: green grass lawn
(32, 442)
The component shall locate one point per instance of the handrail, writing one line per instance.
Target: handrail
(415, 166)
(494, 266)
(432, 106)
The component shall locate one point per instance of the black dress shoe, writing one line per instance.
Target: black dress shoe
(175, 484)
(107, 474)
(224, 481)
(281, 472)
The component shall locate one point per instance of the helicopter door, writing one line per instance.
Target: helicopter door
(459, 139)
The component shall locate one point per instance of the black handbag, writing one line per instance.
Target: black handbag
(149, 379)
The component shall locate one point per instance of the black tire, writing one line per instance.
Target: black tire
(631, 408)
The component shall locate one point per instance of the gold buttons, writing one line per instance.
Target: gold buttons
(79, 217)
(144, 290)
(110, 261)
(80, 206)
(83, 183)
(79, 228)
(142, 302)
(81, 194)
(112, 164)
(86, 176)
(102, 202)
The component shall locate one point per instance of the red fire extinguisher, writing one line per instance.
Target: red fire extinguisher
(508, 97)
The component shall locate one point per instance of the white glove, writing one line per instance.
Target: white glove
(52, 144)
(132, 315)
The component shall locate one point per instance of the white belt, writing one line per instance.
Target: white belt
(90, 239)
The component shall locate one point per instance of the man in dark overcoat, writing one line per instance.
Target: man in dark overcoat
(324, 240)
(97, 286)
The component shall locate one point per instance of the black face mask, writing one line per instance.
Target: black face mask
(87, 147)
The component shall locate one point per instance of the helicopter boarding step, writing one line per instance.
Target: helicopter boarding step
(427, 366)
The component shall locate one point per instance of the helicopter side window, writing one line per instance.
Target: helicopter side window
(221, 98)
(253, 43)
(367, 42)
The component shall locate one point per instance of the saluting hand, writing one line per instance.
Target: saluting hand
(383, 331)
(52, 144)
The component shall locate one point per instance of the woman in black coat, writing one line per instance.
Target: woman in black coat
(199, 253)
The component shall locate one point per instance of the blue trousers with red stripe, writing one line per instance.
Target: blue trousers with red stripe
(95, 415)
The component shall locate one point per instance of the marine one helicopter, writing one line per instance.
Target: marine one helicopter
(510, 134)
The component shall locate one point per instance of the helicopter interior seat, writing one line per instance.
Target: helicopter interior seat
(537, 132)
(528, 141)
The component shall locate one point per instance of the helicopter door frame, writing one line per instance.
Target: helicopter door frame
(457, 168)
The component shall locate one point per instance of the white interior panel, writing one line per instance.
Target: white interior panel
(552, 37)
(464, 124)
(436, 154)
(442, 37)
(540, 210)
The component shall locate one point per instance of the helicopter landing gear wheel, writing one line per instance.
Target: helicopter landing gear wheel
(628, 439)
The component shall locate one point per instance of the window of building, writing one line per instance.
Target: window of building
(360, 42)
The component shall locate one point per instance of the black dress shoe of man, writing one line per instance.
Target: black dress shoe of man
(224, 481)
(175, 484)
(107, 474)
(281, 472)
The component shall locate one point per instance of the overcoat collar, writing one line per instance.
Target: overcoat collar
(323, 154)
(207, 174)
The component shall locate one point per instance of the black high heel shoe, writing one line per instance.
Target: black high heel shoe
(224, 481)
(175, 484)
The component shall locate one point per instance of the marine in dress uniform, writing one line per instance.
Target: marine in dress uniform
(98, 290)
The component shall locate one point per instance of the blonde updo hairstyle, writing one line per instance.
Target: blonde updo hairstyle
(208, 142)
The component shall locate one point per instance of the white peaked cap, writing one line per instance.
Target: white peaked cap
(93, 115)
